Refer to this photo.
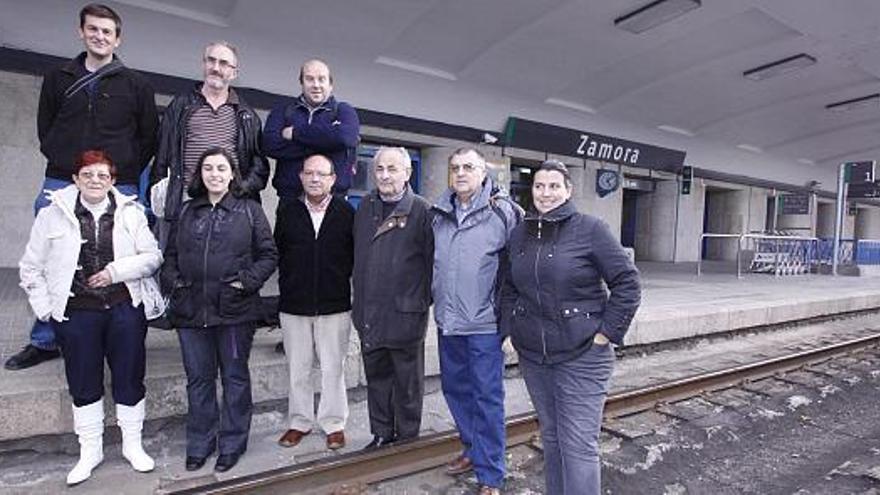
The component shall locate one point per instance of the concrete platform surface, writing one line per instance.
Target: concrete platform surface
(676, 305)
(39, 465)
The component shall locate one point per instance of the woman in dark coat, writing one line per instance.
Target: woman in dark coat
(561, 321)
(219, 255)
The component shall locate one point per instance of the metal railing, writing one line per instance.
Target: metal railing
(776, 254)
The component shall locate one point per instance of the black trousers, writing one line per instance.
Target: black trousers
(395, 389)
(88, 337)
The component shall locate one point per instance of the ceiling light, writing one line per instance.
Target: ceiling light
(869, 101)
(749, 147)
(784, 66)
(164, 7)
(806, 161)
(676, 130)
(654, 14)
(419, 69)
(570, 105)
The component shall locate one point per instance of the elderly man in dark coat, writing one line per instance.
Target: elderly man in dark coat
(393, 262)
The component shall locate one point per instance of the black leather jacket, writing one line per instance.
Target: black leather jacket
(252, 164)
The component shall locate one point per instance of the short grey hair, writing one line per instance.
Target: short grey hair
(400, 150)
(224, 43)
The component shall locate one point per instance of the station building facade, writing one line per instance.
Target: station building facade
(668, 192)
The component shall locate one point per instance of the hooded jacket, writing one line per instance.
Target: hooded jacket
(52, 253)
(467, 258)
(555, 300)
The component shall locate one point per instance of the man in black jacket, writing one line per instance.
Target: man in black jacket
(315, 245)
(393, 264)
(90, 102)
(211, 114)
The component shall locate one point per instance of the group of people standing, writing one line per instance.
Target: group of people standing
(542, 278)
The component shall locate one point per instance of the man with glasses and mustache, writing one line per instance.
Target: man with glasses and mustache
(91, 102)
(316, 249)
(211, 115)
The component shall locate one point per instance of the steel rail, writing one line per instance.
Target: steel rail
(357, 469)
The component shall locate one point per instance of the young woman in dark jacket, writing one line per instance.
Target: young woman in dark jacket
(561, 320)
(219, 254)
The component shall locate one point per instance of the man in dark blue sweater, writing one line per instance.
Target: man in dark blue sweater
(316, 122)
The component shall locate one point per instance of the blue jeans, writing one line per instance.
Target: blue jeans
(87, 337)
(569, 398)
(471, 376)
(42, 335)
(205, 350)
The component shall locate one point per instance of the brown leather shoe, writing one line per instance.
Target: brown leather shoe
(489, 490)
(292, 438)
(336, 440)
(459, 465)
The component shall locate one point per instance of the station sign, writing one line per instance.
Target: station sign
(795, 204)
(537, 136)
(861, 172)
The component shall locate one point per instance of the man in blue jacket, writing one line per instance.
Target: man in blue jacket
(314, 123)
(472, 225)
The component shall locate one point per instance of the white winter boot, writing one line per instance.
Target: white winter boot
(131, 421)
(88, 423)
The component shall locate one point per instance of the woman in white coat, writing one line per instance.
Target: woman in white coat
(89, 256)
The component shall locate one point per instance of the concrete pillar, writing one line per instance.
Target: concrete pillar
(757, 209)
(825, 218)
(435, 171)
(587, 201)
(655, 222)
(690, 223)
(867, 223)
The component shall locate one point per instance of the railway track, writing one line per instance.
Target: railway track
(351, 472)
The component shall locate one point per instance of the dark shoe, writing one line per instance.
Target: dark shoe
(379, 442)
(279, 348)
(489, 490)
(292, 438)
(225, 462)
(30, 356)
(336, 440)
(459, 465)
(195, 463)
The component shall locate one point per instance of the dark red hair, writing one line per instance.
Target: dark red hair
(94, 157)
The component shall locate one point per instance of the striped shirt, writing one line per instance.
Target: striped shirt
(207, 128)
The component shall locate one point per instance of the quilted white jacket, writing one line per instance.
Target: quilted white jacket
(52, 253)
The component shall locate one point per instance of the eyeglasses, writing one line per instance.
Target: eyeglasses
(101, 176)
(224, 64)
(315, 173)
(465, 167)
